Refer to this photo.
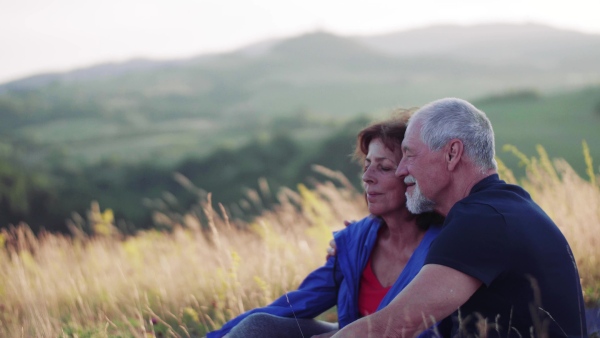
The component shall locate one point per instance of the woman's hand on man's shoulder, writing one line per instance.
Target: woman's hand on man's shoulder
(332, 250)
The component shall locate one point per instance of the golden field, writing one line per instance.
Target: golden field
(208, 268)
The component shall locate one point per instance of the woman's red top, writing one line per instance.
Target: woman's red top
(370, 291)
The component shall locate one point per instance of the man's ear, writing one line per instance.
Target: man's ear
(454, 152)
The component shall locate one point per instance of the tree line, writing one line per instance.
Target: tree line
(46, 197)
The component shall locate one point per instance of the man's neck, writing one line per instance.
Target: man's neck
(461, 187)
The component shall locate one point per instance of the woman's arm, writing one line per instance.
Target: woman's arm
(316, 294)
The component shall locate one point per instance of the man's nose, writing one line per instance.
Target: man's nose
(401, 171)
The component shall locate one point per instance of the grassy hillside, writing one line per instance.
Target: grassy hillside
(280, 155)
(558, 122)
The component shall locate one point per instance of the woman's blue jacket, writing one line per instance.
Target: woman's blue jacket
(337, 282)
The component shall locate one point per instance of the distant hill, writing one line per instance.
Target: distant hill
(532, 45)
(96, 73)
(146, 109)
(494, 43)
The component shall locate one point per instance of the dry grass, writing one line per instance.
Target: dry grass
(209, 268)
(177, 283)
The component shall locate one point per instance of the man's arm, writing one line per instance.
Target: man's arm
(435, 293)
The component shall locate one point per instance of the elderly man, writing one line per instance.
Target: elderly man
(500, 267)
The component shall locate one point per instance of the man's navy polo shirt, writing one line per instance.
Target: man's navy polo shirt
(498, 235)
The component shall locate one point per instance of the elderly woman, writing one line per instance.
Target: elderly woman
(376, 256)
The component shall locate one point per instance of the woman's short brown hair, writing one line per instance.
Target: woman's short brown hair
(391, 133)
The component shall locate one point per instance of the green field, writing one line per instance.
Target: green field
(558, 122)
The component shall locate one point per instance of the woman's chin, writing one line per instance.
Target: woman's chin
(373, 212)
(376, 212)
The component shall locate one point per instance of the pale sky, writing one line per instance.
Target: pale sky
(57, 35)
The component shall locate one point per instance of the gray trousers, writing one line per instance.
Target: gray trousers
(262, 325)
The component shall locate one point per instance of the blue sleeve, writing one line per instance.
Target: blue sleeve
(316, 294)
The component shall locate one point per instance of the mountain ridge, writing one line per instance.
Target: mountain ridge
(511, 42)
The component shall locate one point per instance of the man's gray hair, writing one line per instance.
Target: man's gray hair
(452, 118)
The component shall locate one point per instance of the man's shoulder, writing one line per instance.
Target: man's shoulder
(474, 207)
(496, 197)
(504, 204)
(497, 190)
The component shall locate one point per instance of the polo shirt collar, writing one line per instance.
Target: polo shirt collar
(493, 178)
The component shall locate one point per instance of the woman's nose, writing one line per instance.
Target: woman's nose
(367, 177)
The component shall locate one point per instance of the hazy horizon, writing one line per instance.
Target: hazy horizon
(62, 35)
